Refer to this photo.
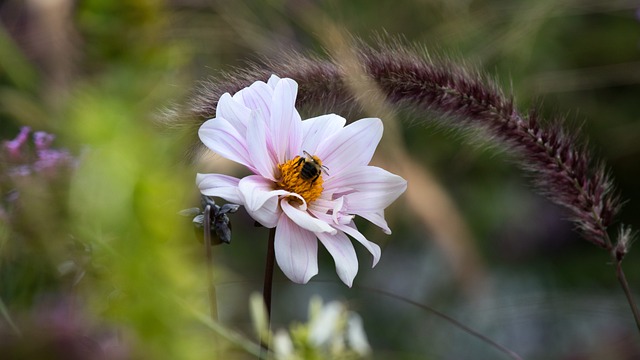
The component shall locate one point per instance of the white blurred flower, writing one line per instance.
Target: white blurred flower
(326, 323)
(332, 332)
(309, 178)
(283, 346)
(356, 337)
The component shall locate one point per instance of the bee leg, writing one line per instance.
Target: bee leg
(315, 178)
(300, 161)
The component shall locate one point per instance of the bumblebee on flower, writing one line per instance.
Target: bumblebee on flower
(302, 176)
(290, 187)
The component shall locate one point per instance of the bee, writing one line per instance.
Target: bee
(311, 167)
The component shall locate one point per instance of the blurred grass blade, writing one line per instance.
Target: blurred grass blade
(14, 65)
(7, 318)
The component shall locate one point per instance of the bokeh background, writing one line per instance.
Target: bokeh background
(95, 261)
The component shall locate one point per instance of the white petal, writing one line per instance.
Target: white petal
(343, 253)
(353, 145)
(221, 137)
(325, 207)
(236, 113)
(336, 211)
(373, 248)
(261, 158)
(219, 185)
(319, 128)
(377, 218)
(256, 190)
(268, 214)
(367, 188)
(351, 178)
(273, 81)
(304, 220)
(376, 197)
(285, 123)
(296, 251)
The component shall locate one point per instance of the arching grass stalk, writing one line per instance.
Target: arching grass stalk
(559, 164)
(512, 354)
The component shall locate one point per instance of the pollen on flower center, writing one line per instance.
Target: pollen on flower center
(302, 176)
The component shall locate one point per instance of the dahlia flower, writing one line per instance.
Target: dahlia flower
(308, 178)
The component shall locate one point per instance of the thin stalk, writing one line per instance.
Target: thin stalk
(617, 259)
(627, 291)
(512, 354)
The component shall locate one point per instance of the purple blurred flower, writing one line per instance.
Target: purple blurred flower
(50, 160)
(14, 147)
(42, 140)
(25, 159)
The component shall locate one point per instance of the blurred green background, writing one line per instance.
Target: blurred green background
(101, 246)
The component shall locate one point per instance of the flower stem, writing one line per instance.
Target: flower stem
(209, 259)
(268, 281)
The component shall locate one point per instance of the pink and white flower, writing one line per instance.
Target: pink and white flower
(260, 128)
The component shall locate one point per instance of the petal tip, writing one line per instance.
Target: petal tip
(309, 275)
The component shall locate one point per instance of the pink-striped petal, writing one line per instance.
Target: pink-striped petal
(373, 248)
(324, 207)
(376, 218)
(256, 190)
(304, 220)
(296, 251)
(343, 253)
(285, 122)
(236, 113)
(257, 97)
(353, 145)
(219, 185)
(268, 214)
(367, 188)
(317, 129)
(261, 156)
(373, 196)
(222, 138)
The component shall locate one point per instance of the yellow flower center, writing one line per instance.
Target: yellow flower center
(302, 176)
